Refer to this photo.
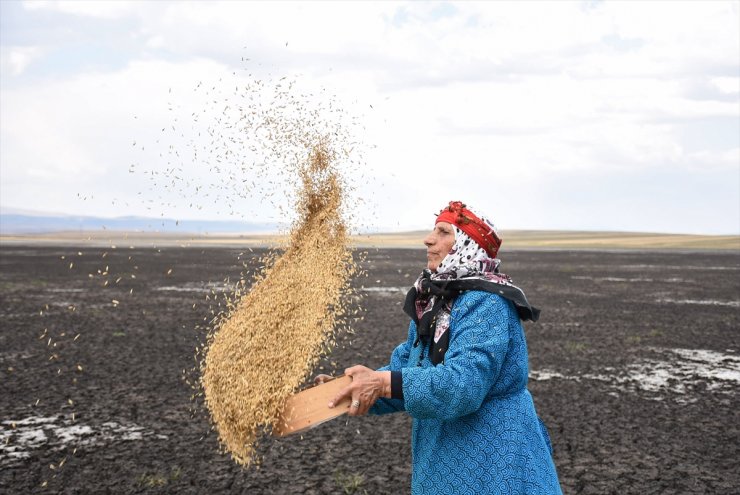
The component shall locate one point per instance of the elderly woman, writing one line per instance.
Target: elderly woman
(462, 373)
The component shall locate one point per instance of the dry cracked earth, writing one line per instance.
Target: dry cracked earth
(634, 367)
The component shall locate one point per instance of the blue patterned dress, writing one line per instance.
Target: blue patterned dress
(475, 429)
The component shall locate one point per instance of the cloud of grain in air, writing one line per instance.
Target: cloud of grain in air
(265, 347)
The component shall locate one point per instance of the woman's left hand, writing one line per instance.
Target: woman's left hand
(366, 387)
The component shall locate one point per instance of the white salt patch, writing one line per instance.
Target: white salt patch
(679, 373)
(707, 356)
(611, 279)
(701, 302)
(132, 435)
(15, 454)
(8, 356)
(32, 438)
(58, 432)
(74, 433)
(172, 288)
(543, 375)
(61, 304)
(385, 289)
(671, 280)
(713, 365)
(726, 375)
(648, 376)
(681, 267)
(195, 287)
(124, 432)
(32, 420)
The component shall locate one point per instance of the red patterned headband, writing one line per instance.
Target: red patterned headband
(478, 230)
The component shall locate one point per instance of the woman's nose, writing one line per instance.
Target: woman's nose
(429, 239)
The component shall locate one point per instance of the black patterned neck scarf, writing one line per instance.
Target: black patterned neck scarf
(466, 267)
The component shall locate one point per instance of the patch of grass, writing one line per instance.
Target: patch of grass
(159, 479)
(637, 339)
(575, 346)
(152, 480)
(119, 334)
(350, 483)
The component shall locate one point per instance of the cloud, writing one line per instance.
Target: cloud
(497, 103)
(15, 60)
(86, 126)
(88, 8)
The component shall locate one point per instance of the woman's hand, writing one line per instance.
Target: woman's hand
(366, 387)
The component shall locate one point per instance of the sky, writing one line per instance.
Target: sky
(588, 115)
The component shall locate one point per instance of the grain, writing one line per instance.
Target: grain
(264, 348)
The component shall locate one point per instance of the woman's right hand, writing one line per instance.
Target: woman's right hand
(319, 379)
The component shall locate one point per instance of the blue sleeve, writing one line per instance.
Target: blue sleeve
(479, 341)
(399, 358)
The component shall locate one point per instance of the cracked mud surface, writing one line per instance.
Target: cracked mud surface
(634, 366)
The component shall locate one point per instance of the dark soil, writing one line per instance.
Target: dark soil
(606, 318)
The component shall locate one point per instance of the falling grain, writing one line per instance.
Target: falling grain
(274, 335)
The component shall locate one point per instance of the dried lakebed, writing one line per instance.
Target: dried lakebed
(634, 366)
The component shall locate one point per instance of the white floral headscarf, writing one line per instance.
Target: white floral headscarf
(467, 257)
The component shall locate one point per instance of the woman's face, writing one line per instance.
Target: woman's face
(439, 242)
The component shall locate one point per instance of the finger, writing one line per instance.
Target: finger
(355, 407)
(345, 392)
(366, 402)
(354, 369)
(366, 406)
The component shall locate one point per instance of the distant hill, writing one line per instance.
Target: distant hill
(31, 223)
(32, 227)
(513, 240)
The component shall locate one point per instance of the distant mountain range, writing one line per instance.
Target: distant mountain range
(29, 222)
